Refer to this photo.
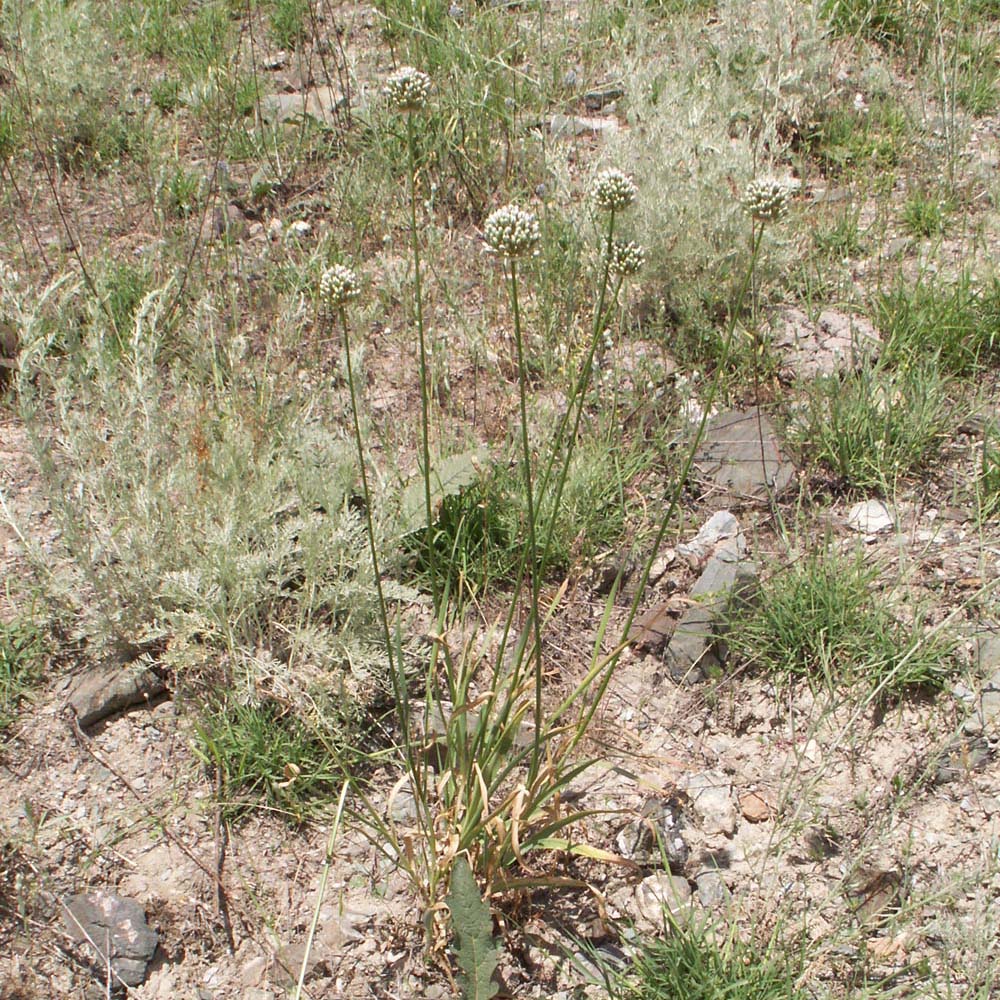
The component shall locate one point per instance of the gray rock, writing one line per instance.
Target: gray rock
(692, 654)
(697, 646)
(988, 653)
(108, 689)
(835, 343)
(229, 223)
(116, 928)
(722, 526)
(324, 104)
(712, 801)
(599, 98)
(960, 758)
(712, 891)
(660, 897)
(870, 517)
(656, 837)
(740, 457)
(989, 704)
(403, 807)
(572, 126)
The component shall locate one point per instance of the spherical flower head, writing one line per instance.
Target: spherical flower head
(613, 190)
(626, 259)
(512, 232)
(407, 89)
(338, 286)
(766, 199)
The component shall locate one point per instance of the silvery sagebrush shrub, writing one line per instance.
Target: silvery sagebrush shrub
(706, 120)
(205, 511)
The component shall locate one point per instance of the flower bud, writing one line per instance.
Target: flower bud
(511, 231)
(407, 89)
(338, 286)
(766, 199)
(613, 190)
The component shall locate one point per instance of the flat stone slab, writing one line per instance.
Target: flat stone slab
(835, 343)
(325, 104)
(104, 691)
(740, 456)
(870, 517)
(572, 126)
(660, 895)
(692, 640)
(651, 630)
(711, 796)
(116, 929)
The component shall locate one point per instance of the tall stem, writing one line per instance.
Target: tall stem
(580, 389)
(397, 681)
(702, 424)
(424, 370)
(534, 623)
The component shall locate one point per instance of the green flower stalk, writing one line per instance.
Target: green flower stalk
(513, 233)
(407, 91)
(338, 286)
(612, 192)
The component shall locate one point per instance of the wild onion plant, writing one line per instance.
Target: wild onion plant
(485, 758)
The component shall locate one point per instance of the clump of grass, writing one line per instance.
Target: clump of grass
(978, 73)
(265, 751)
(842, 138)
(476, 530)
(877, 425)
(988, 479)
(180, 192)
(925, 213)
(21, 653)
(957, 323)
(840, 237)
(698, 962)
(886, 22)
(289, 22)
(823, 619)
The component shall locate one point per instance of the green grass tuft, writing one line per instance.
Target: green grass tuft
(701, 963)
(21, 653)
(265, 752)
(876, 426)
(956, 324)
(823, 619)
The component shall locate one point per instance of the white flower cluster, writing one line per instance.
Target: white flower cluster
(511, 231)
(766, 199)
(407, 89)
(338, 286)
(626, 258)
(613, 190)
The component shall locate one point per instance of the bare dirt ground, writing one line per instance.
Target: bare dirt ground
(840, 814)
